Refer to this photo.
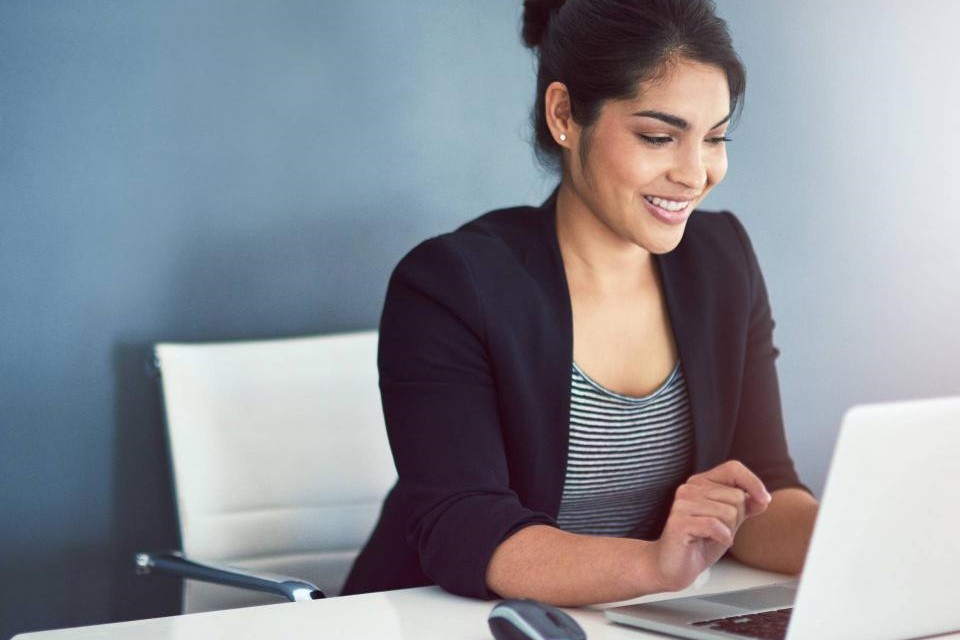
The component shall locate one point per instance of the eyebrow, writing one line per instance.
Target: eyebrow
(675, 121)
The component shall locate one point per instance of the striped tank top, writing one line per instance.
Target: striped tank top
(626, 456)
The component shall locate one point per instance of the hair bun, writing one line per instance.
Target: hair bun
(536, 19)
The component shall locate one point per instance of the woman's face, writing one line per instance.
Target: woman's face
(651, 159)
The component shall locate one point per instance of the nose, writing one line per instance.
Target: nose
(689, 168)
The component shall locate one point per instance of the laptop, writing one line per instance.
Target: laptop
(884, 561)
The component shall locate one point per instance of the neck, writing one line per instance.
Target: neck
(595, 256)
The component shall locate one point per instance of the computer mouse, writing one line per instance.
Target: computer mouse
(532, 620)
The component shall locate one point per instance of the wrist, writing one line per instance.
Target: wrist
(649, 571)
(664, 576)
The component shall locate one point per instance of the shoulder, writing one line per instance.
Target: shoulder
(496, 241)
(498, 271)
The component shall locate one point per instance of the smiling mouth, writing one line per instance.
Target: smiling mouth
(670, 212)
(668, 205)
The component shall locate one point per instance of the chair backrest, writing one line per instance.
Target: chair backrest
(279, 454)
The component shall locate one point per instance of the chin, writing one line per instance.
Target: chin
(665, 242)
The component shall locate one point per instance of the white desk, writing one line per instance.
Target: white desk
(427, 613)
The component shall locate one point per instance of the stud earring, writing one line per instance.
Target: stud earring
(563, 137)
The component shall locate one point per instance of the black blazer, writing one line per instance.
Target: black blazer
(476, 346)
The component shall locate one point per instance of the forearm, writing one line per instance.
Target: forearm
(777, 539)
(567, 569)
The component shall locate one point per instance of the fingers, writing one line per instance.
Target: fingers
(698, 528)
(719, 492)
(726, 504)
(727, 494)
(707, 511)
(734, 474)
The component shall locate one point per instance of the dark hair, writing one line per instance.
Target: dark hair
(602, 50)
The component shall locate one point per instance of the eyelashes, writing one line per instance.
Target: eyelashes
(656, 141)
(659, 141)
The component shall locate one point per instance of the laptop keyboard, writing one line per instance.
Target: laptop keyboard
(768, 625)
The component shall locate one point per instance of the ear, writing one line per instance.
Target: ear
(556, 101)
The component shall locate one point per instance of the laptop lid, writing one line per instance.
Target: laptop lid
(885, 552)
(885, 555)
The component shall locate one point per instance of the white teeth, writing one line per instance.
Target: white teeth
(669, 205)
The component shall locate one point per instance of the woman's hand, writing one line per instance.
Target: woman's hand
(571, 570)
(706, 513)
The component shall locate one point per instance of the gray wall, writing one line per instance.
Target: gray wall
(844, 170)
(233, 169)
(207, 170)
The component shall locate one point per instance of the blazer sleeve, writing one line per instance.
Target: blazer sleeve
(442, 417)
(759, 440)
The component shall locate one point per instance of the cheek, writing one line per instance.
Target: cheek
(617, 157)
(717, 168)
(633, 167)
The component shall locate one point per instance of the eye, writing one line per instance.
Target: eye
(719, 140)
(655, 141)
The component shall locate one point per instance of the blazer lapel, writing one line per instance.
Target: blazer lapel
(688, 299)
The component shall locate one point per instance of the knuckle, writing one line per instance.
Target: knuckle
(737, 465)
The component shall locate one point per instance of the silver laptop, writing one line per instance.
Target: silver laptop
(884, 562)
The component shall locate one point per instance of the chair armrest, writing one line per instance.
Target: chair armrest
(174, 562)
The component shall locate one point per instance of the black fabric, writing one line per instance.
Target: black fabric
(476, 344)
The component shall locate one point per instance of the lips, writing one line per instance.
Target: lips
(671, 212)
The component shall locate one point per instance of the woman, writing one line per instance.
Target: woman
(581, 398)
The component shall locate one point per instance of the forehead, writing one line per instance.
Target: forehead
(694, 91)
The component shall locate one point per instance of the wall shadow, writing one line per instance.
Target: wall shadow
(144, 515)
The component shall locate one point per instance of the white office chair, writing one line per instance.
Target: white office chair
(280, 462)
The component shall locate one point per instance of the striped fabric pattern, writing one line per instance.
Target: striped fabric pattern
(626, 457)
